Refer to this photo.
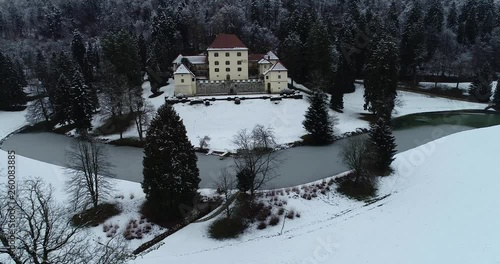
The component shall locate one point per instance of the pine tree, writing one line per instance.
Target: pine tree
(318, 53)
(452, 18)
(12, 95)
(480, 88)
(81, 104)
(413, 41)
(382, 79)
(62, 102)
(171, 176)
(383, 145)
(78, 49)
(143, 51)
(317, 120)
(291, 55)
(433, 21)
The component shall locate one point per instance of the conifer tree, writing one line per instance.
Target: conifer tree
(81, 103)
(383, 145)
(11, 88)
(413, 41)
(171, 176)
(318, 53)
(143, 51)
(317, 120)
(452, 18)
(480, 88)
(291, 55)
(382, 78)
(62, 101)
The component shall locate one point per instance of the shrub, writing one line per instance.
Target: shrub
(227, 228)
(95, 216)
(290, 214)
(281, 211)
(274, 220)
(262, 225)
(362, 189)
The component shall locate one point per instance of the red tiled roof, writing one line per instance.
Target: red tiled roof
(255, 57)
(227, 41)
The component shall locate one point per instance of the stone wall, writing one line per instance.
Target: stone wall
(225, 87)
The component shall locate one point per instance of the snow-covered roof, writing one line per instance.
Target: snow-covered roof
(263, 61)
(276, 67)
(200, 59)
(183, 70)
(271, 56)
(178, 59)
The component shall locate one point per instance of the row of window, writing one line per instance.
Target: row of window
(279, 77)
(227, 69)
(227, 54)
(182, 80)
(227, 63)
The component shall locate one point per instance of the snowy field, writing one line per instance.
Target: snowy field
(464, 86)
(222, 120)
(442, 208)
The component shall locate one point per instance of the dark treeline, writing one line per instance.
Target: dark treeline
(324, 44)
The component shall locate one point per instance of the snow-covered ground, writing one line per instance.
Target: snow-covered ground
(223, 119)
(464, 86)
(442, 208)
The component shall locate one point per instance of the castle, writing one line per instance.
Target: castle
(228, 68)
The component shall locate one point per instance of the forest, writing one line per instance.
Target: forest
(108, 46)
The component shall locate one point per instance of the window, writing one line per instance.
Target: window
(227, 54)
(216, 69)
(192, 79)
(227, 63)
(267, 77)
(239, 69)
(238, 54)
(228, 70)
(239, 62)
(279, 76)
(216, 54)
(182, 80)
(216, 62)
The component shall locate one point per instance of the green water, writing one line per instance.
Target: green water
(474, 119)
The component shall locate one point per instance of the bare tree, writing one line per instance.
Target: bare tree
(143, 112)
(204, 142)
(39, 109)
(44, 233)
(225, 184)
(90, 173)
(356, 155)
(256, 160)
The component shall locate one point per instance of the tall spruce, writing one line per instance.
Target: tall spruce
(412, 48)
(12, 95)
(81, 104)
(61, 103)
(318, 54)
(480, 88)
(383, 145)
(171, 176)
(317, 120)
(382, 78)
(291, 55)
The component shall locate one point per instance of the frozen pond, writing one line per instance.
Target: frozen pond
(301, 164)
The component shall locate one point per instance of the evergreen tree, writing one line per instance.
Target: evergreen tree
(11, 88)
(318, 53)
(393, 20)
(345, 74)
(81, 104)
(78, 49)
(165, 39)
(480, 88)
(143, 51)
(383, 145)
(80, 57)
(62, 102)
(317, 120)
(171, 176)
(382, 79)
(433, 21)
(452, 18)
(412, 41)
(291, 54)
(468, 23)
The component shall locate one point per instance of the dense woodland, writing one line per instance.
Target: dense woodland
(82, 48)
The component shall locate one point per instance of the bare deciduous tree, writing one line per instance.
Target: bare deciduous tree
(44, 233)
(143, 112)
(356, 155)
(256, 156)
(225, 184)
(90, 173)
(204, 142)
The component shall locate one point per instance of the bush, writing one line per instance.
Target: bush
(363, 189)
(290, 214)
(262, 225)
(227, 228)
(274, 220)
(128, 142)
(95, 216)
(281, 211)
